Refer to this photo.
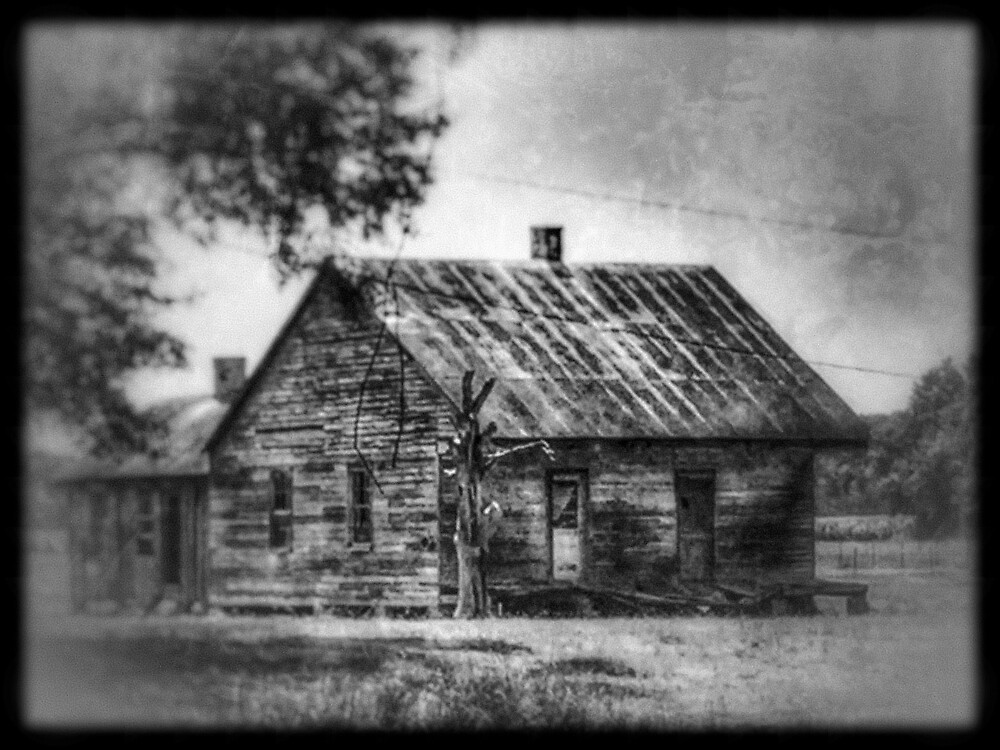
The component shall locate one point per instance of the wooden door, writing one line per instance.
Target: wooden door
(695, 492)
(566, 500)
(126, 545)
(146, 574)
(170, 544)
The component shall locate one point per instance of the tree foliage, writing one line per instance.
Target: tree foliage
(920, 461)
(264, 126)
(267, 125)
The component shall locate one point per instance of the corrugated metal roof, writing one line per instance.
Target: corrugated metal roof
(604, 350)
(190, 421)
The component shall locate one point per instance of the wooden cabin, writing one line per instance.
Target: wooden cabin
(684, 431)
(138, 525)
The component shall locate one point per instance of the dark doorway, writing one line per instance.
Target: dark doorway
(170, 555)
(695, 491)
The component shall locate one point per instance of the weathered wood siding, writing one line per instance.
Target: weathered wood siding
(627, 524)
(106, 565)
(763, 504)
(764, 513)
(300, 417)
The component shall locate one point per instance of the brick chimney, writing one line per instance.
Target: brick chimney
(230, 375)
(546, 244)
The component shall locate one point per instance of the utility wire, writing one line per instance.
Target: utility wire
(717, 212)
(581, 320)
(588, 322)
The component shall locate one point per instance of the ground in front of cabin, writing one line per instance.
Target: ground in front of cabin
(910, 663)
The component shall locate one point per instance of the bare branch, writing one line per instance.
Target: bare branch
(477, 402)
(493, 458)
(361, 398)
(490, 430)
(467, 392)
(402, 382)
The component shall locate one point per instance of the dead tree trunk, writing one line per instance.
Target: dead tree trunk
(475, 456)
(472, 597)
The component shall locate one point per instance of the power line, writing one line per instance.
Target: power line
(580, 320)
(405, 232)
(586, 321)
(717, 212)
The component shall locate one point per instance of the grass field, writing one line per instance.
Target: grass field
(910, 663)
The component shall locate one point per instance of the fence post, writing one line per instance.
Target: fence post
(855, 558)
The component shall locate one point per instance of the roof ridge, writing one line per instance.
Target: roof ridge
(611, 379)
(530, 262)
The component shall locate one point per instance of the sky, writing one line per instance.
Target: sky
(737, 136)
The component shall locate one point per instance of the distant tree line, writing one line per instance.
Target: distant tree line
(920, 461)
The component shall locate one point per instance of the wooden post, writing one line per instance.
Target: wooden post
(75, 540)
(121, 539)
(855, 558)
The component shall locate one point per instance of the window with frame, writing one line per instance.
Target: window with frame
(361, 508)
(281, 508)
(565, 488)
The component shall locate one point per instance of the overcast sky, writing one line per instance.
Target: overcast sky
(740, 129)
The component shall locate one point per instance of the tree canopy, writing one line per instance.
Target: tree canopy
(188, 127)
(920, 461)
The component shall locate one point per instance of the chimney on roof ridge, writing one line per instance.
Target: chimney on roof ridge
(230, 375)
(546, 244)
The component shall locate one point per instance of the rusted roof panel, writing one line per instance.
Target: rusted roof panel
(605, 350)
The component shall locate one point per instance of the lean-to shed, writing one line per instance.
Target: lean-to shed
(138, 524)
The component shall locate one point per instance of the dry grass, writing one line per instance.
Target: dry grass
(908, 663)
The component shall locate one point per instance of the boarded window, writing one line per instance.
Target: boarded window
(145, 543)
(566, 489)
(361, 507)
(281, 508)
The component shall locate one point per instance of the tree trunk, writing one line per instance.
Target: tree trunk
(473, 600)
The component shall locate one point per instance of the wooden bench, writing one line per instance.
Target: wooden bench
(856, 594)
(796, 597)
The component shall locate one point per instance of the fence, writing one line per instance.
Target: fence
(899, 553)
(863, 528)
